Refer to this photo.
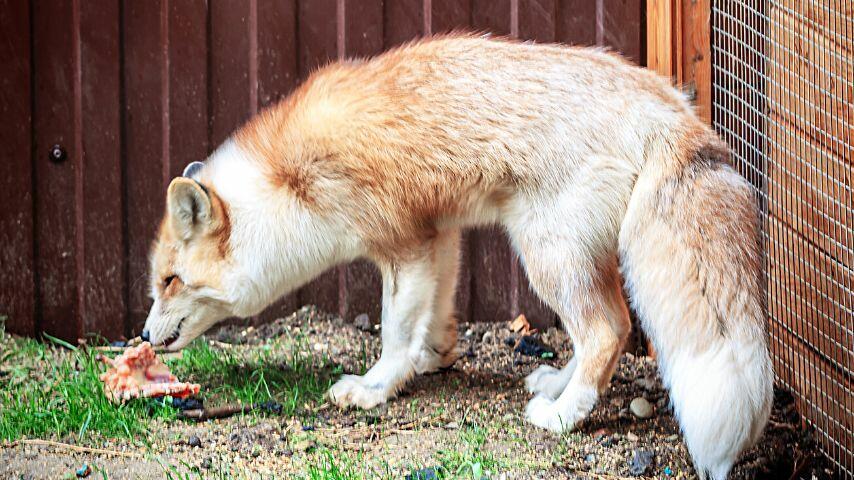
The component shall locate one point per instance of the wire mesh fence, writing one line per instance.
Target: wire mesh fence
(782, 74)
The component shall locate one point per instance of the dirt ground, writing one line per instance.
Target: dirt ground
(471, 414)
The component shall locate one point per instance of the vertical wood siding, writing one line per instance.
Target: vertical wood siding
(133, 90)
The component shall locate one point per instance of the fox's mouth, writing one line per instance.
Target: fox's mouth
(175, 334)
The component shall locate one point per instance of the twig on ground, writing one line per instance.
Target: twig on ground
(68, 446)
(217, 343)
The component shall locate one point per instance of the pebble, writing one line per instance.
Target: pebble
(469, 333)
(363, 322)
(207, 463)
(641, 407)
(83, 471)
(640, 462)
(487, 337)
(646, 383)
(194, 441)
(631, 437)
(423, 474)
(452, 426)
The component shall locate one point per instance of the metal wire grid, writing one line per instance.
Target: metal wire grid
(782, 76)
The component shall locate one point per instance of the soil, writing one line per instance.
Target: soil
(484, 388)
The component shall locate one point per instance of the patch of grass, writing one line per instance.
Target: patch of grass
(49, 392)
(288, 374)
(469, 459)
(336, 464)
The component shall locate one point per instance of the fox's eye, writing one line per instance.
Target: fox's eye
(168, 280)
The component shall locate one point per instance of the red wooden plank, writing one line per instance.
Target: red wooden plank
(103, 278)
(621, 27)
(318, 44)
(144, 26)
(493, 16)
(234, 86)
(56, 120)
(464, 281)
(17, 274)
(446, 16)
(403, 21)
(317, 25)
(363, 36)
(576, 22)
(361, 291)
(278, 74)
(363, 28)
(278, 71)
(188, 88)
(449, 15)
(491, 264)
(537, 21)
(493, 292)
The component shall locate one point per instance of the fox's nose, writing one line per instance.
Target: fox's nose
(144, 336)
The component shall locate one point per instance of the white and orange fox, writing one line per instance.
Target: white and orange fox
(598, 170)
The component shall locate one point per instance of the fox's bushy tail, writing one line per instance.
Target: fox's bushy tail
(689, 248)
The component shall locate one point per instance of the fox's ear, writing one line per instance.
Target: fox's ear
(189, 207)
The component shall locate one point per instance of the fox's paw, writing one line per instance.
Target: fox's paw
(352, 390)
(546, 380)
(543, 412)
(428, 360)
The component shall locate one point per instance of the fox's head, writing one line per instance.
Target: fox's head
(190, 265)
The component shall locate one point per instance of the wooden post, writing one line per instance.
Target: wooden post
(679, 46)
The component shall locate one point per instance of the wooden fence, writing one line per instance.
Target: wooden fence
(104, 102)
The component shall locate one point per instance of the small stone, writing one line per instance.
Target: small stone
(487, 337)
(207, 463)
(194, 441)
(363, 322)
(83, 471)
(641, 407)
(631, 437)
(590, 458)
(423, 474)
(640, 462)
(646, 383)
(452, 426)
(672, 438)
(469, 333)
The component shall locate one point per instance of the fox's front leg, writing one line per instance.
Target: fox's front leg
(409, 292)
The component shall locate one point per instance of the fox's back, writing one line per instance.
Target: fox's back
(440, 126)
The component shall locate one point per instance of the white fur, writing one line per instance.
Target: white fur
(550, 381)
(417, 301)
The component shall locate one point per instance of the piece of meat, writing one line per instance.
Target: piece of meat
(139, 373)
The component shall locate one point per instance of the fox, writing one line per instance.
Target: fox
(608, 185)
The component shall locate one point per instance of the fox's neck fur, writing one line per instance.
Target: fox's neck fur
(277, 242)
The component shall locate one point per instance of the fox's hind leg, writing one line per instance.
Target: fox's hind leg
(418, 327)
(568, 246)
(551, 382)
